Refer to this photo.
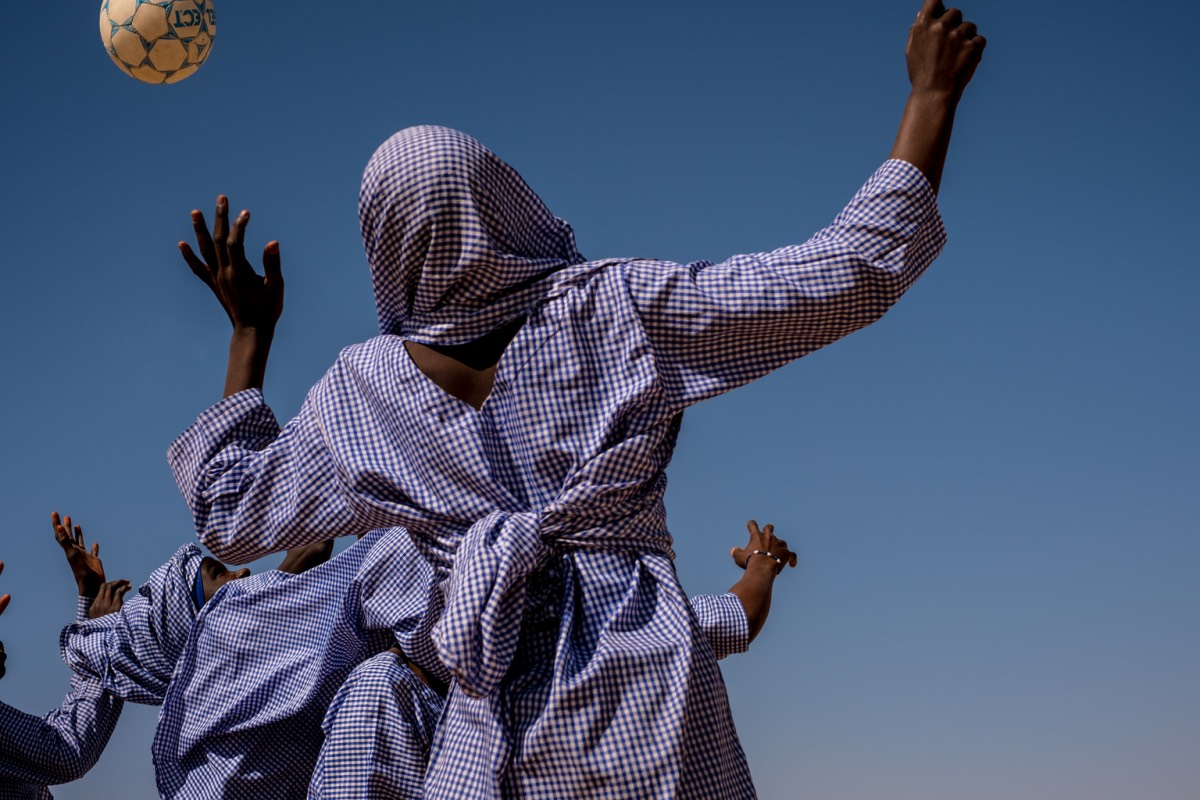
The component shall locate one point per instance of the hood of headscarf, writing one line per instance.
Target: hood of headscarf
(457, 242)
(133, 652)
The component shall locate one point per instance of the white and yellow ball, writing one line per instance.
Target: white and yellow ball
(158, 41)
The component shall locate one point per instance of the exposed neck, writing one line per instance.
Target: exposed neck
(466, 371)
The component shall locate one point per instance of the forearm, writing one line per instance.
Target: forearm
(754, 590)
(924, 135)
(248, 352)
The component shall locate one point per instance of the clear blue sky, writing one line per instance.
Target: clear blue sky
(993, 490)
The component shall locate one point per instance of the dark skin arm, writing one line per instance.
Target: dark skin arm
(4, 598)
(252, 302)
(942, 53)
(754, 588)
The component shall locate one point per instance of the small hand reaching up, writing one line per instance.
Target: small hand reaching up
(85, 564)
(763, 542)
(763, 558)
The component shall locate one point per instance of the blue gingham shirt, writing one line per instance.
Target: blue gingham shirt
(579, 666)
(60, 747)
(242, 715)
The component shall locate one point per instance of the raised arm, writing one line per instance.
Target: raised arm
(763, 558)
(253, 487)
(252, 302)
(943, 51)
(713, 327)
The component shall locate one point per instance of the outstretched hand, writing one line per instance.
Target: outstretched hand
(109, 599)
(250, 301)
(86, 565)
(763, 542)
(763, 558)
(943, 50)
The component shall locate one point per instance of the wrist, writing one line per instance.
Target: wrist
(252, 335)
(759, 564)
(934, 96)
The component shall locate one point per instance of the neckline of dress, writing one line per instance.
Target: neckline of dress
(431, 387)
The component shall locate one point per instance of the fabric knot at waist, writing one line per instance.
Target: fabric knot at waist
(485, 602)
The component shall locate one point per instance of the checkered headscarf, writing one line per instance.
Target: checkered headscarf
(457, 242)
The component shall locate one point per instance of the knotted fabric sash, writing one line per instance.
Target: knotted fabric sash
(478, 633)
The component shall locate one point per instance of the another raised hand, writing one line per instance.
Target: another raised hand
(252, 302)
(763, 558)
(4, 598)
(109, 599)
(942, 52)
(249, 300)
(85, 564)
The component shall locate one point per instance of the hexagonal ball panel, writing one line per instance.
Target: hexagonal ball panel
(183, 73)
(128, 47)
(210, 16)
(121, 11)
(186, 18)
(148, 74)
(168, 55)
(150, 21)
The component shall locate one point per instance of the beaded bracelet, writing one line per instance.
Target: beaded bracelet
(753, 553)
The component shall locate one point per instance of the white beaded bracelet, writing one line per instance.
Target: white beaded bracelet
(753, 553)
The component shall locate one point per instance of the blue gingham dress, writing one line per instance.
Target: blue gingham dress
(579, 666)
(242, 715)
(380, 725)
(61, 746)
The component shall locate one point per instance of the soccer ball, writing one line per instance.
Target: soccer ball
(158, 41)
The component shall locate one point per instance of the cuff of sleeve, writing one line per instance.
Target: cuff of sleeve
(245, 414)
(895, 207)
(723, 620)
(230, 412)
(82, 605)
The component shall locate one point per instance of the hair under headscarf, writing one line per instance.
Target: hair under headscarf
(133, 652)
(457, 242)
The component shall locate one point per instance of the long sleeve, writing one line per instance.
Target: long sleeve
(713, 327)
(723, 620)
(62, 746)
(255, 488)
